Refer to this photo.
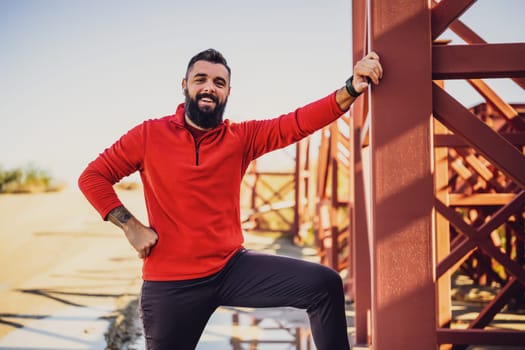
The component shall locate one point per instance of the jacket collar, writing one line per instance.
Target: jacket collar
(178, 117)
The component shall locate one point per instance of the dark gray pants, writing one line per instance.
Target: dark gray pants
(175, 313)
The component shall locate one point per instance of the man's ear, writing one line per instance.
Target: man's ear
(184, 84)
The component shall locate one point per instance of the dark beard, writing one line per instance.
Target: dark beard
(206, 119)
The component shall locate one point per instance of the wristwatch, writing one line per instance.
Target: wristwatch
(350, 87)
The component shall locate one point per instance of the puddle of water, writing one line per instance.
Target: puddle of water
(73, 328)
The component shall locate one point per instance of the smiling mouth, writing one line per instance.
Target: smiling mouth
(206, 100)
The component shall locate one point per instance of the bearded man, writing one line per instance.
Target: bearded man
(191, 165)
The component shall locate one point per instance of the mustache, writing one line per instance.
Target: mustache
(206, 95)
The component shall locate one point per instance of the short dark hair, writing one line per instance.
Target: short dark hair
(210, 55)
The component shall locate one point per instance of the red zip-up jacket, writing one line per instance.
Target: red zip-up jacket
(192, 190)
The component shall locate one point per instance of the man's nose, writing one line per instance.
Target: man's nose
(209, 87)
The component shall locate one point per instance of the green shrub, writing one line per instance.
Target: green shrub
(24, 180)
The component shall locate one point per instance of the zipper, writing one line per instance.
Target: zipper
(197, 147)
(197, 143)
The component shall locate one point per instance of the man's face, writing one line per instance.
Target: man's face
(206, 88)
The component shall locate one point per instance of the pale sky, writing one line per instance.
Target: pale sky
(75, 75)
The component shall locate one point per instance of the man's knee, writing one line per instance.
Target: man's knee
(328, 280)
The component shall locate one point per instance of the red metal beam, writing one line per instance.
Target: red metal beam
(478, 61)
(467, 34)
(511, 289)
(403, 289)
(485, 244)
(357, 209)
(483, 232)
(361, 247)
(480, 337)
(506, 110)
(449, 140)
(495, 148)
(446, 12)
(456, 254)
(464, 32)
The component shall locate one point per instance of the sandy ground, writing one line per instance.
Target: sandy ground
(59, 258)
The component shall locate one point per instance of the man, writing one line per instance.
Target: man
(191, 165)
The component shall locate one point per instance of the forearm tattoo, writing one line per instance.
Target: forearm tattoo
(119, 216)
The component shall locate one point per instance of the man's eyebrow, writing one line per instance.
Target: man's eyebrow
(200, 75)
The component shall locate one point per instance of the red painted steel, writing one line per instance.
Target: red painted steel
(471, 37)
(485, 160)
(442, 229)
(401, 190)
(359, 231)
(304, 195)
(507, 111)
(480, 337)
(482, 242)
(512, 288)
(445, 12)
(494, 147)
(332, 227)
(516, 138)
(478, 61)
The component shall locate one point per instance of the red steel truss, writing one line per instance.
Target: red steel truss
(412, 190)
(412, 185)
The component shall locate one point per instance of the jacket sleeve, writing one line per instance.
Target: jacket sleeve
(121, 159)
(263, 136)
